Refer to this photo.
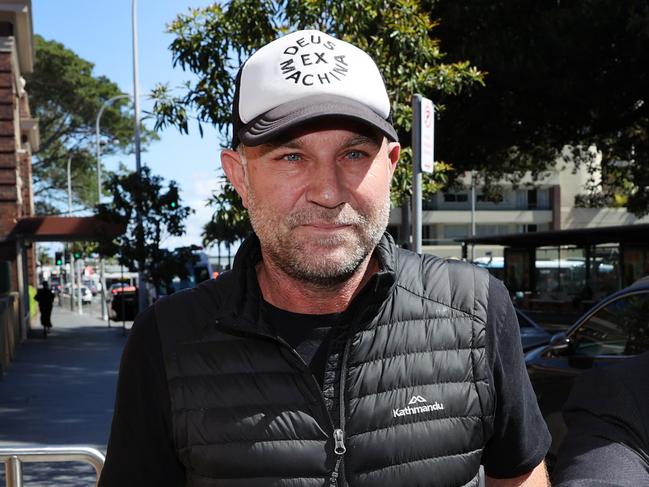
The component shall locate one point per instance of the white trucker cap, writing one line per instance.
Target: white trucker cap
(303, 76)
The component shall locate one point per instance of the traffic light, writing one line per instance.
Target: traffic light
(77, 254)
(58, 258)
(171, 198)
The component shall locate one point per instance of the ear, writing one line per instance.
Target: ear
(394, 151)
(235, 172)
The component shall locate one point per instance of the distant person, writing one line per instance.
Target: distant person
(45, 299)
(607, 414)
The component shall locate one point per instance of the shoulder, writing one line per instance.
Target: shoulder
(454, 283)
(620, 389)
(189, 314)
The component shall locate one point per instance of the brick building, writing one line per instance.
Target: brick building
(18, 138)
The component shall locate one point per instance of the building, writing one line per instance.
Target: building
(18, 138)
(533, 206)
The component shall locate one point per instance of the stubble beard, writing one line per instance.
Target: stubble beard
(321, 261)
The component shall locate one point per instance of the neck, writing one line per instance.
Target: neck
(290, 294)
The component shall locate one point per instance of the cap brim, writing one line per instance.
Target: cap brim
(280, 119)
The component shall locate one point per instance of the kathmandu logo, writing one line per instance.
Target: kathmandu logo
(417, 405)
(415, 400)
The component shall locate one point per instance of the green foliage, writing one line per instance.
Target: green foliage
(139, 246)
(214, 41)
(81, 250)
(65, 96)
(230, 221)
(559, 73)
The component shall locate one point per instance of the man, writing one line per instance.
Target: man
(607, 413)
(45, 299)
(327, 356)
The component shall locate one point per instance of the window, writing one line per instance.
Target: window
(484, 230)
(456, 197)
(543, 199)
(429, 234)
(620, 328)
(456, 231)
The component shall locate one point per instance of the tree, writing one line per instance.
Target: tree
(65, 96)
(214, 41)
(560, 73)
(163, 215)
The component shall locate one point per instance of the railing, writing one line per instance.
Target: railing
(13, 459)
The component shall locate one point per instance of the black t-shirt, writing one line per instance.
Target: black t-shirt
(309, 335)
(141, 452)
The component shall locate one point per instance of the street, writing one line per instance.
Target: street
(60, 390)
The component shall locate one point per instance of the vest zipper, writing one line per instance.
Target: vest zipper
(338, 433)
(338, 475)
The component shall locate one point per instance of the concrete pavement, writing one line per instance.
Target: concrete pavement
(60, 390)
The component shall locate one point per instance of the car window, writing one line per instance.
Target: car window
(620, 328)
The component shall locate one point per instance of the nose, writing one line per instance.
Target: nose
(326, 187)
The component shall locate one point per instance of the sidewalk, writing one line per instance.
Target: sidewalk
(60, 391)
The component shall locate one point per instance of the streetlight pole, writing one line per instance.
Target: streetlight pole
(72, 263)
(473, 214)
(142, 300)
(102, 271)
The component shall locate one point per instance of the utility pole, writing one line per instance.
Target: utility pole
(69, 247)
(472, 214)
(141, 288)
(72, 263)
(102, 267)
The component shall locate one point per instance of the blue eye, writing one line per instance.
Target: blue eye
(292, 157)
(354, 154)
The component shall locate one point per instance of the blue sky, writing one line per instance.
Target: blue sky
(100, 32)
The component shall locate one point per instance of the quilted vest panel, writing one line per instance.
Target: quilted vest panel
(416, 397)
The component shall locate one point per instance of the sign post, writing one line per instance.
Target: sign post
(423, 158)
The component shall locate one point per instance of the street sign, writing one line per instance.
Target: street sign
(427, 135)
(423, 158)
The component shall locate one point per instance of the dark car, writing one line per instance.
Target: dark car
(124, 303)
(613, 330)
(532, 335)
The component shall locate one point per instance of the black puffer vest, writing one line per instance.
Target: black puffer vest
(413, 395)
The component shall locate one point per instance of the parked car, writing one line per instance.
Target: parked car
(532, 334)
(120, 287)
(124, 303)
(612, 331)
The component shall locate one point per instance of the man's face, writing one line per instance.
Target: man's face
(318, 199)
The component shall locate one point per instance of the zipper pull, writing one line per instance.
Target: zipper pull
(339, 442)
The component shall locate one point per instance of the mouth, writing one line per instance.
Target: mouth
(327, 226)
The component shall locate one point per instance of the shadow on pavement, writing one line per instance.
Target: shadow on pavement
(60, 390)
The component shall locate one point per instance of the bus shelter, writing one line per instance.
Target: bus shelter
(568, 270)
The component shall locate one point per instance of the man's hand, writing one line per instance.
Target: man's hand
(536, 478)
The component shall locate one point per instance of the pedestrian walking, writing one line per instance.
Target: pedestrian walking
(45, 299)
(327, 356)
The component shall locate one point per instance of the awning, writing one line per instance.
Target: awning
(63, 229)
(638, 233)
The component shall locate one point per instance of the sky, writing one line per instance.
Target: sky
(100, 31)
